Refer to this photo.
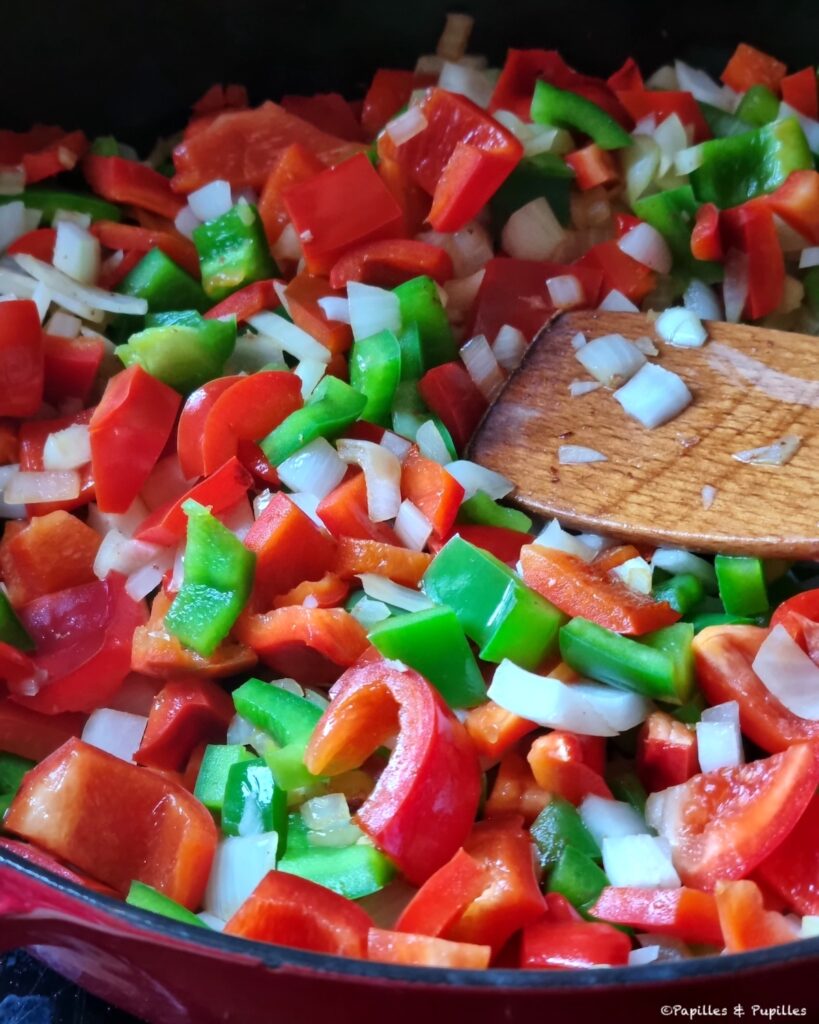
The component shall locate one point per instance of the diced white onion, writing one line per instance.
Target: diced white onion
(793, 294)
(736, 284)
(382, 474)
(342, 835)
(67, 449)
(509, 347)
(63, 324)
(19, 286)
(688, 160)
(482, 366)
(654, 395)
(636, 573)
(474, 478)
(369, 612)
(310, 372)
(379, 588)
(789, 238)
(315, 469)
(611, 359)
(671, 137)
(185, 222)
(324, 812)
(12, 181)
(116, 732)
(702, 300)
(533, 232)
(646, 346)
(412, 526)
(465, 81)
(578, 341)
(810, 926)
(35, 488)
(645, 244)
(407, 125)
(676, 562)
(616, 302)
(399, 446)
(431, 444)
(641, 162)
(454, 39)
(287, 247)
(336, 308)
(809, 126)
(7, 510)
(372, 310)
(680, 327)
(140, 583)
(554, 537)
(118, 553)
(577, 388)
(165, 483)
(470, 248)
(578, 454)
(292, 339)
(211, 200)
(77, 253)
(719, 740)
(82, 220)
(639, 861)
(642, 956)
(809, 257)
(428, 64)
(308, 503)
(565, 291)
(789, 674)
(701, 85)
(461, 293)
(63, 287)
(239, 865)
(238, 518)
(126, 523)
(12, 223)
(777, 454)
(606, 819)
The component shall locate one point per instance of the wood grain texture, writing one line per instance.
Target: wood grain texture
(751, 386)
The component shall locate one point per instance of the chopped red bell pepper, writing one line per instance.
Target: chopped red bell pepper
(328, 592)
(32, 735)
(499, 541)
(686, 914)
(444, 896)
(21, 358)
(248, 301)
(494, 730)
(293, 911)
(749, 66)
(128, 181)
(560, 764)
(344, 513)
(454, 397)
(430, 488)
(515, 790)
(9, 442)
(192, 423)
(133, 239)
(295, 164)
(413, 200)
(117, 822)
(33, 435)
(355, 556)
(799, 91)
(112, 272)
(750, 228)
(129, 430)
(798, 615)
(642, 103)
(666, 752)
(16, 668)
(797, 203)
(389, 91)
(626, 77)
(185, 713)
(550, 944)
(38, 243)
(44, 860)
(303, 294)
(433, 764)
(619, 270)
(706, 238)
(219, 98)
(328, 111)
(792, 870)
(289, 548)
(70, 367)
(624, 222)
(342, 207)
(62, 154)
(593, 167)
(390, 262)
(424, 951)
(745, 922)
(578, 588)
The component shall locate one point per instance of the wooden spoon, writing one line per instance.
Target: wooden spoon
(679, 483)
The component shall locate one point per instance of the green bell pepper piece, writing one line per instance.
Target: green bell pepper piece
(742, 167)
(420, 304)
(433, 643)
(741, 583)
(351, 871)
(412, 353)
(147, 898)
(659, 665)
(5, 803)
(493, 605)
(211, 781)
(104, 145)
(49, 201)
(558, 826)
(331, 408)
(254, 802)
(480, 508)
(673, 213)
(217, 583)
(12, 631)
(721, 123)
(625, 785)
(185, 353)
(682, 592)
(690, 713)
(165, 286)
(375, 370)
(811, 283)
(544, 175)
(233, 251)
(409, 411)
(759, 106)
(578, 878)
(565, 109)
(703, 620)
(12, 770)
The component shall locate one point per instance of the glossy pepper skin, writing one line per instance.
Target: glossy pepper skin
(233, 252)
(164, 285)
(566, 109)
(22, 360)
(331, 408)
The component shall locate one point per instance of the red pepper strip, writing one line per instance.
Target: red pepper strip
(310, 645)
(248, 301)
(47, 554)
(9, 442)
(295, 164)
(129, 430)
(328, 111)
(130, 238)
(593, 167)
(70, 367)
(44, 860)
(38, 243)
(469, 179)
(289, 548)
(619, 270)
(423, 951)
(424, 802)
(666, 752)
(303, 294)
(706, 239)
(363, 430)
(745, 922)
(749, 66)
(412, 199)
(355, 556)
(611, 558)
(185, 713)
(61, 155)
(156, 653)
(559, 764)
(799, 90)
(750, 228)
(83, 645)
(430, 488)
(389, 91)
(293, 911)
(16, 668)
(494, 730)
(792, 869)
(328, 592)
(344, 513)
(499, 541)
(797, 203)
(512, 899)
(342, 207)
(253, 459)
(551, 944)
(579, 589)
(626, 77)
(515, 790)
(127, 181)
(15, 145)
(391, 262)
(797, 615)
(21, 358)
(33, 434)
(112, 273)
(453, 396)
(220, 491)
(117, 822)
(220, 98)
(192, 423)
(248, 410)
(642, 103)
(687, 914)
(624, 222)
(444, 896)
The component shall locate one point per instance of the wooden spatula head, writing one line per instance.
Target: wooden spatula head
(751, 387)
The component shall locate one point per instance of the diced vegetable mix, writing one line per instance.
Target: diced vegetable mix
(270, 646)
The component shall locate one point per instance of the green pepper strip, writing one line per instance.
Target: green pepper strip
(682, 592)
(412, 353)
(211, 781)
(557, 827)
(12, 631)
(565, 109)
(331, 408)
(164, 285)
(673, 213)
(578, 878)
(233, 251)
(759, 106)
(49, 201)
(254, 802)
(625, 785)
(147, 898)
(721, 123)
(480, 508)
(375, 370)
(421, 305)
(409, 411)
(742, 588)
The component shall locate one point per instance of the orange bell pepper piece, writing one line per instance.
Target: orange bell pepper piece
(399, 564)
